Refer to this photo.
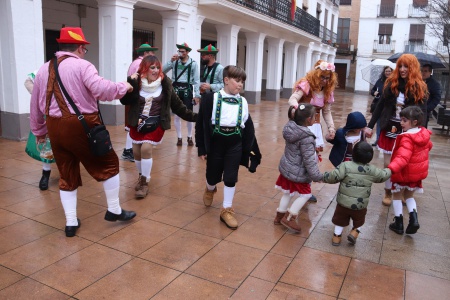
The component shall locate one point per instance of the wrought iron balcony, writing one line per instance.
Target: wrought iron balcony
(442, 48)
(336, 3)
(418, 11)
(343, 46)
(387, 11)
(281, 11)
(327, 36)
(416, 46)
(383, 47)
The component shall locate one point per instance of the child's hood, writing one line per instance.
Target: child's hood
(355, 120)
(292, 132)
(421, 137)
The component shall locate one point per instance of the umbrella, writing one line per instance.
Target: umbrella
(372, 72)
(423, 58)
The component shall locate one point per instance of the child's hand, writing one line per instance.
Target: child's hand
(203, 157)
(330, 135)
(368, 132)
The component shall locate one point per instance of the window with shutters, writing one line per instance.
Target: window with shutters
(387, 8)
(417, 32)
(318, 10)
(343, 33)
(420, 3)
(385, 33)
(345, 2)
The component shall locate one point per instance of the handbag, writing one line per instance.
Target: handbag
(148, 125)
(98, 137)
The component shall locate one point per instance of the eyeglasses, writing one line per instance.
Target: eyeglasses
(181, 52)
(84, 50)
(323, 78)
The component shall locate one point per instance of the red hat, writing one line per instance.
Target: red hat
(71, 35)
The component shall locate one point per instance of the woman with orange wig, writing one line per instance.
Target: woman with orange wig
(403, 88)
(317, 88)
(150, 103)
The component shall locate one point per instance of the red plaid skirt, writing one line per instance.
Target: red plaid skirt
(154, 137)
(291, 187)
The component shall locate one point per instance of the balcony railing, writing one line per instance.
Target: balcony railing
(441, 48)
(343, 46)
(416, 46)
(327, 36)
(387, 11)
(336, 3)
(418, 12)
(383, 47)
(281, 11)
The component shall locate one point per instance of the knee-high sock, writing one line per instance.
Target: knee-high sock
(210, 187)
(129, 142)
(147, 167)
(299, 203)
(284, 203)
(189, 128)
(138, 166)
(388, 184)
(398, 207)
(228, 195)
(69, 203)
(177, 123)
(112, 187)
(46, 167)
(338, 230)
(411, 204)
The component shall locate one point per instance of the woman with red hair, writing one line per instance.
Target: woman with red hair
(403, 88)
(317, 88)
(151, 102)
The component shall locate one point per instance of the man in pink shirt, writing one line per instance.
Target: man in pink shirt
(51, 114)
(146, 50)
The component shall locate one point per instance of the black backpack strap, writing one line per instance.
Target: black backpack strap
(182, 72)
(213, 72)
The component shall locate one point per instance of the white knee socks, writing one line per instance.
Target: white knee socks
(112, 187)
(146, 167)
(177, 124)
(284, 203)
(210, 187)
(69, 203)
(46, 167)
(299, 203)
(398, 207)
(129, 142)
(411, 204)
(338, 230)
(388, 184)
(138, 166)
(228, 195)
(189, 128)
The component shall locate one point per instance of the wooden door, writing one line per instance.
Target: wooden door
(341, 71)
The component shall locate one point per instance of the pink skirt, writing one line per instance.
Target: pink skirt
(385, 144)
(154, 137)
(290, 187)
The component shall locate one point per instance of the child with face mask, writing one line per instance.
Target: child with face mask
(345, 138)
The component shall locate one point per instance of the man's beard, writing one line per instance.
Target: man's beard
(205, 61)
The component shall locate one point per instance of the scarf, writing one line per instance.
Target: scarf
(150, 88)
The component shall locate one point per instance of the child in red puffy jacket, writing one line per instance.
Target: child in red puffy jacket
(409, 166)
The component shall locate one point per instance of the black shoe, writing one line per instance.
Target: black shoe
(124, 216)
(375, 144)
(43, 183)
(179, 142)
(397, 226)
(72, 230)
(190, 141)
(413, 224)
(127, 154)
(312, 199)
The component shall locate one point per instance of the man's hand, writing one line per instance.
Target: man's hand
(129, 87)
(197, 100)
(174, 57)
(205, 86)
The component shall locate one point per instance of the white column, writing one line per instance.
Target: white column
(304, 61)
(227, 41)
(253, 66)
(331, 58)
(290, 68)
(324, 56)
(315, 57)
(21, 52)
(274, 68)
(115, 18)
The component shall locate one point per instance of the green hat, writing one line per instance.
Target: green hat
(146, 47)
(184, 46)
(210, 49)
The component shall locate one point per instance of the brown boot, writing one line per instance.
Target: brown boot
(138, 183)
(226, 216)
(190, 141)
(208, 196)
(143, 189)
(353, 236)
(336, 240)
(290, 222)
(179, 142)
(278, 217)
(387, 200)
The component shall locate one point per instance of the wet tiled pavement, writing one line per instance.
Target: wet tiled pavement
(178, 249)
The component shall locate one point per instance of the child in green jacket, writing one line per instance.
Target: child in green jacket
(356, 178)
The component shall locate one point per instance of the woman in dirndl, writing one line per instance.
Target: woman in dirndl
(403, 88)
(151, 103)
(317, 88)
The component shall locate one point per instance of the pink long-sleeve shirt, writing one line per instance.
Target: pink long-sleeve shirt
(83, 84)
(134, 66)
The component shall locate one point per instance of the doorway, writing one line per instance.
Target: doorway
(341, 71)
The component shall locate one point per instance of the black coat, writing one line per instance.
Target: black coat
(171, 101)
(434, 90)
(387, 105)
(204, 131)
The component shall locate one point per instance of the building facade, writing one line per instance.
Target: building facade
(258, 35)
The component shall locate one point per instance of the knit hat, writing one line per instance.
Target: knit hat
(355, 120)
(210, 49)
(71, 35)
(146, 47)
(184, 46)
